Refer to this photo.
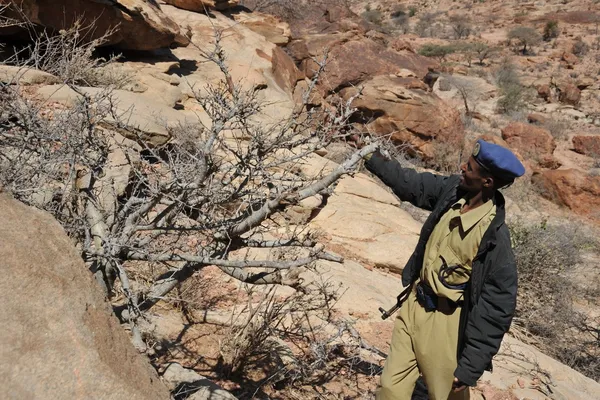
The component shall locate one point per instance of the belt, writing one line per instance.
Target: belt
(432, 302)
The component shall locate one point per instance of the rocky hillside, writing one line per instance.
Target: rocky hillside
(215, 144)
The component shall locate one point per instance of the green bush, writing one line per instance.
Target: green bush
(439, 51)
(511, 99)
(551, 30)
(526, 36)
(506, 74)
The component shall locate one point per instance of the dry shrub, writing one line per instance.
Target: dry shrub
(427, 25)
(373, 16)
(71, 56)
(580, 48)
(545, 255)
(286, 341)
(512, 92)
(557, 127)
(203, 187)
(447, 154)
(270, 314)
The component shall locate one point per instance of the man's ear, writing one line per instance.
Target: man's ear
(488, 182)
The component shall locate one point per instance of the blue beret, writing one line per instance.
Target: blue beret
(498, 160)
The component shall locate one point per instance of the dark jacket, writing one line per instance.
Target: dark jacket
(490, 296)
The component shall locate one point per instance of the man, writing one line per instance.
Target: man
(462, 272)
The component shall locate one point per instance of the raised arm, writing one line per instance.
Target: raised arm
(421, 189)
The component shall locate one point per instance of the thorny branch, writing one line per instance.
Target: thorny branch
(213, 190)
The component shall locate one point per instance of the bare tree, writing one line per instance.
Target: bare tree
(466, 90)
(461, 25)
(212, 190)
(483, 51)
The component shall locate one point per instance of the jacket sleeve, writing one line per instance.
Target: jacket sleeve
(488, 321)
(421, 189)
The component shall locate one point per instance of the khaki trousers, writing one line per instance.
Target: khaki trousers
(422, 343)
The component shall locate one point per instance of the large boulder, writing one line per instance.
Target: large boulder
(284, 70)
(569, 94)
(417, 117)
(569, 59)
(353, 59)
(140, 24)
(253, 62)
(532, 142)
(572, 188)
(587, 144)
(323, 16)
(25, 76)
(59, 340)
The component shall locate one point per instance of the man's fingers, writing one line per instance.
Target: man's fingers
(356, 141)
(459, 389)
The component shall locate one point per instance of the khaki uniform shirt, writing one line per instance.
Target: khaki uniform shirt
(455, 241)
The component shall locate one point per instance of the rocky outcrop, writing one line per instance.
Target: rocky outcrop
(545, 92)
(532, 142)
(59, 340)
(284, 70)
(250, 60)
(273, 29)
(410, 116)
(572, 188)
(588, 145)
(139, 24)
(353, 59)
(203, 5)
(162, 94)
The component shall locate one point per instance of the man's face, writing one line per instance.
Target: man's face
(473, 177)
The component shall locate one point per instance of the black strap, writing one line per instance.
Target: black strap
(446, 271)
